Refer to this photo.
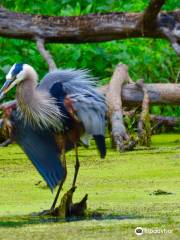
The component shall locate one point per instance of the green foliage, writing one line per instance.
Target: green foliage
(166, 110)
(153, 60)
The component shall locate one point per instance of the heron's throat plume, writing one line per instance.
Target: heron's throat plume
(37, 107)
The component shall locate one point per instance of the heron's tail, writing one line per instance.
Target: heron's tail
(101, 145)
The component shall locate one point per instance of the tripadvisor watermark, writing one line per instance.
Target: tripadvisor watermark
(140, 231)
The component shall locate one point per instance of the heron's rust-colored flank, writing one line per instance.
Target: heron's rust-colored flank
(69, 106)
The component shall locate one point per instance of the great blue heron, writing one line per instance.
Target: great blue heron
(63, 107)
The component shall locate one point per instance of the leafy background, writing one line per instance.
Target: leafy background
(151, 59)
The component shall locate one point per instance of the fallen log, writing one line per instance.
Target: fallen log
(159, 93)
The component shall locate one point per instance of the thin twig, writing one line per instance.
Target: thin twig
(45, 54)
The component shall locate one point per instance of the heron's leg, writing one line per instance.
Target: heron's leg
(77, 165)
(62, 181)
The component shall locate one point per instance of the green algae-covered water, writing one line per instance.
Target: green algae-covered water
(123, 187)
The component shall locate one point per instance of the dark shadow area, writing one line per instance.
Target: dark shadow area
(18, 221)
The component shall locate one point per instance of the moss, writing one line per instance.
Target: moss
(118, 187)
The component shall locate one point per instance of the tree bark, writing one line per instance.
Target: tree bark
(120, 137)
(144, 125)
(92, 27)
(167, 93)
(151, 12)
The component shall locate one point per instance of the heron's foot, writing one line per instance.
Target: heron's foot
(68, 209)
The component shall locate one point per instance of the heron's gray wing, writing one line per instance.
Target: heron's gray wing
(73, 81)
(88, 103)
(91, 112)
(79, 86)
(42, 150)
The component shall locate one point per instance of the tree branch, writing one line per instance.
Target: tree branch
(87, 28)
(151, 12)
(45, 54)
(144, 126)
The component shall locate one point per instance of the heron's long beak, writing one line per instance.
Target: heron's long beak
(6, 87)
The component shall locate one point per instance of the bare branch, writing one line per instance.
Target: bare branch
(87, 28)
(45, 54)
(92, 27)
(151, 12)
(144, 126)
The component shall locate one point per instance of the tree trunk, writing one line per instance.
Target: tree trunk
(120, 137)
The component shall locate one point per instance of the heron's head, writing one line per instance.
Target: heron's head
(16, 75)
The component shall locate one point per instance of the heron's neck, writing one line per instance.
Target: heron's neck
(26, 91)
(36, 106)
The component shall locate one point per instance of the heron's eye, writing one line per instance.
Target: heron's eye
(13, 77)
(20, 76)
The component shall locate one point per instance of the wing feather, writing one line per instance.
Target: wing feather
(88, 103)
(42, 150)
(91, 113)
